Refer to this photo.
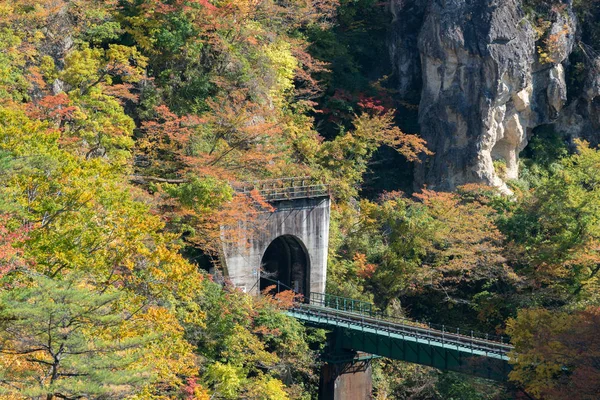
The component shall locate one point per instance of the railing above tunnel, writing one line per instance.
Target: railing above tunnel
(283, 189)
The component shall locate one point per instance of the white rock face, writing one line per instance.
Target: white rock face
(483, 87)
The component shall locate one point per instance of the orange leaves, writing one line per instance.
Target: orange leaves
(235, 135)
(240, 9)
(468, 242)
(53, 108)
(282, 300)
(553, 49)
(365, 269)
(307, 86)
(440, 241)
(231, 139)
(234, 216)
(10, 252)
(260, 200)
(166, 123)
(382, 130)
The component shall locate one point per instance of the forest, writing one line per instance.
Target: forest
(124, 124)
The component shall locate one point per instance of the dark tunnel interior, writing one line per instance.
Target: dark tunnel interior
(286, 261)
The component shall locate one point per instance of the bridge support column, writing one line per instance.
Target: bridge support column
(348, 381)
(346, 375)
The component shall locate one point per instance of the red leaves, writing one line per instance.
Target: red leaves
(52, 108)
(175, 128)
(206, 4)
(372, 105)
(194, 390)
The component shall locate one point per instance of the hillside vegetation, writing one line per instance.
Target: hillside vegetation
(123, 124)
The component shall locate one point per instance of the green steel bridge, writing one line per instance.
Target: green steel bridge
(359, 333)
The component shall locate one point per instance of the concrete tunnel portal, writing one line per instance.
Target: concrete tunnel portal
(288, 243)
(286, 260)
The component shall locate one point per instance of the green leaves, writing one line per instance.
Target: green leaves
(555, 229)
(251, 344)
(345, 159)
(203, 195)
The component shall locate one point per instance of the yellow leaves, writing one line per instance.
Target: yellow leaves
(170, 356)
(541, 27)
(244, 348)
(226, 379)
(229, 382)
(346, 157)
(364, 269)
(382, 129)
(21, 135)
(553, 48)
(200, 394)
(82, 67)
(284, 64)
(6, 9)
(89, 66)
(13, 84)
(538, 356)
(468, 240)
(18, 363)
(126, 62)
(197, 392)
(267, 388)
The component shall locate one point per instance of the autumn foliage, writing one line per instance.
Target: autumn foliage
(121, 125)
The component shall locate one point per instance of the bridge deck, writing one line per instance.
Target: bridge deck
(372, 333)
(431, 337)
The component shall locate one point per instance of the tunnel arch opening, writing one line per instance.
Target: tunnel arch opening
(286, 260)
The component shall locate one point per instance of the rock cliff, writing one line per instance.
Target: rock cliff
(486, 80)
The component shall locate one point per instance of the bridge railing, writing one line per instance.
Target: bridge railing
(341, 303)
(366, 309)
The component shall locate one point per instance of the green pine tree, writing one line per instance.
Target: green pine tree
(68, 341)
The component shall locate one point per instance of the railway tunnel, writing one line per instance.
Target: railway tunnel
(287, 261)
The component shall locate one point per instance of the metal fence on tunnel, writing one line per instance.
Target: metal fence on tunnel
(283, 189)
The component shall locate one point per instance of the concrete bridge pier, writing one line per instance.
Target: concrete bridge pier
(346, 375)
(346, 381)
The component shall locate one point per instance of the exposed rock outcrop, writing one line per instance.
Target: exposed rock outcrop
(408, 16)
(581, 118)
(484, 87)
